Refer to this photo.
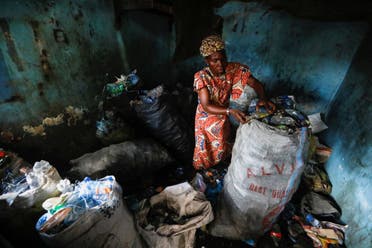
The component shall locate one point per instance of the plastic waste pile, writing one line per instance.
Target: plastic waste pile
(122, 83)
(286, 117)
(312, 218)
(110, 126)
(13, 173)
(64, 210)
(27, 187)
(210, 182)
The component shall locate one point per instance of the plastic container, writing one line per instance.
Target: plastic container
(311, 220)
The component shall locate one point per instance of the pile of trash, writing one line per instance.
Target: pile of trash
(23, 186)
(274, 193)
(90, 213)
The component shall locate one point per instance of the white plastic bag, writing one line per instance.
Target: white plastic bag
(43, 180)
(317, 125)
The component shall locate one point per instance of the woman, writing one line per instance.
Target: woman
(215, 85)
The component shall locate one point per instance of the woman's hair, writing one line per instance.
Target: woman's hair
(211, 44)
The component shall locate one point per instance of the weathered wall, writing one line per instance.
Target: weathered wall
(349, 134)
(57, 53)
(148, 41)
(54, 54)
(291, 55)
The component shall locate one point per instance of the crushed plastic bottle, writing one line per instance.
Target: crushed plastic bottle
(115, 89)
(198, 183)
(311, 220)
(33, 180)
(65, 186)
(123, 83)
(212, 191)
(250, 242)
(286, 101)
(300, 118)
(102, 128)
(282, 120)
(13, 183)
(41, 167)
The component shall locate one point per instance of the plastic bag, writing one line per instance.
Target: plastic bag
(42, 182)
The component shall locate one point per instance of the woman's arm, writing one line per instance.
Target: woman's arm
(218, 110)
(263, 102)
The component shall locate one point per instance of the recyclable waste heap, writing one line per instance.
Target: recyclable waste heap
(274, 192)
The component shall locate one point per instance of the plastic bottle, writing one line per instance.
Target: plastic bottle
(115, 89)
(311, 220)
(102, 128)
(122, 84)
(198, 183)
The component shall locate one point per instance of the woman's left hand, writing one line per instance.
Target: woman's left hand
(269, 106)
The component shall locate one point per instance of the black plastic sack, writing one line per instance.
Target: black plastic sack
(321, 206)
(164, 122)
(125, 160)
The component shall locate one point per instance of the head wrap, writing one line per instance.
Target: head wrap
(211, 44)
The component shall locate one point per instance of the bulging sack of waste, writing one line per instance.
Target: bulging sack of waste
(265, 171)
(34, 186)
(164, 121)
(170, 219)
(93, 214)
(124, 160)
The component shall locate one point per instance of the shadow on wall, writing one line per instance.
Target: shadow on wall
(349, 119)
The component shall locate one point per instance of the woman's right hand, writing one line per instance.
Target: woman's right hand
(239, 115)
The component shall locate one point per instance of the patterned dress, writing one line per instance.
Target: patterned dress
(212, 131)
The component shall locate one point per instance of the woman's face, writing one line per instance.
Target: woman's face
(217, 62)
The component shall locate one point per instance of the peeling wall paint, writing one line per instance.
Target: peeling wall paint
(72, 115)
(54, 53)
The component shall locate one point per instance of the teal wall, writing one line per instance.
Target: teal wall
(148, 40)
(59, 53)
(54, 54)
(291, 55)
(327, 66)
(349, 134)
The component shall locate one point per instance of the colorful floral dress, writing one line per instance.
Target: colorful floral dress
(212, 131)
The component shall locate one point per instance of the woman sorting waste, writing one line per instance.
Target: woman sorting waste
(216, 84)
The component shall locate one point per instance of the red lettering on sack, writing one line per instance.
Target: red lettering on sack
(264, 173)
(279, 194)
(280, 170)
(249, 173)
(258, 189)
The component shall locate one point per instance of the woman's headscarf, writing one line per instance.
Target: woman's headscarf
(211, 44)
